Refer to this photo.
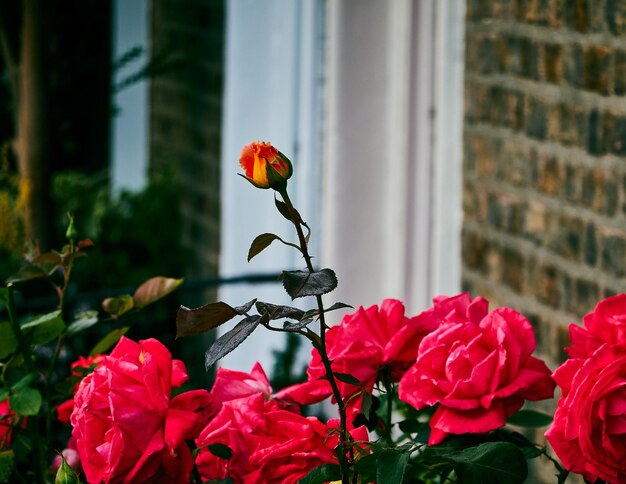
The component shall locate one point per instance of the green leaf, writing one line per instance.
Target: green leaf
(108, 341)
(410, 426)
(7, 463)
(226, 480)
(8, 340)
(24, 382)
(366, 404)
(284, 211)
(116, 306)
(278, 312)
(45, 328)
(65, 474)
(304, 283)
(4, 297)
(154, 289)
(83, 321)
(4, 394)
(347, 378)
(196, 321)
(529, 418)
(26, 402)
(322, 474)
(490, 463)
(220, 450)
(25, 273)
(366, 467)
(230, 340)
(390, 466)
(260, 243)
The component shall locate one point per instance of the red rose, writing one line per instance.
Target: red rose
(479, 369)
(264, 165)
(588, 433)
(79, 369)
(606, 324)
(6, 424)
(362, 345)
(127, 426)
(233, 384)
(269, 444)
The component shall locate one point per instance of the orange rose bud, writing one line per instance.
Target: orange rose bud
(264, 165)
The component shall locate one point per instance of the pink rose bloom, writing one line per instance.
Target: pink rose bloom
(269, 444)
(364, 344)
(126, 425)
(232, 384)
(606, 324)
(588, 433)
(79, 368)
(478, 367)
(6, 424)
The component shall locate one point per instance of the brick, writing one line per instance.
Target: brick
(614, 255)
(475, 251)
(571, 184)
(596, 69)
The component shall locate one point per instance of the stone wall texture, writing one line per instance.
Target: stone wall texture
(545, 158)
(185, 117)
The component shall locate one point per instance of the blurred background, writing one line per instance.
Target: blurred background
(438, 146)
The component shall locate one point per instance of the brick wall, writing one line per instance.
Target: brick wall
(544, 165)
(185, 117)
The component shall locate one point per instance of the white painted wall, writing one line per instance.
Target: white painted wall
(129, 133)
(272, 93)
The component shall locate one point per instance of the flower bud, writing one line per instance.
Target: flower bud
(265, 166)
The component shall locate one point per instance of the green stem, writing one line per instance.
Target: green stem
(345, 438)
(389, 389)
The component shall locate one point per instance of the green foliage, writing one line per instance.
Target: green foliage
(231, 339)
(305, 283)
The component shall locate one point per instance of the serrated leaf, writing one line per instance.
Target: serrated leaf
(83, 321)
(8, 340)
(347, 378)
(278, 312)
(490, 463)
(304, 283)
(220, 450)
(7, 463)
(26, 402)
(116, 306)
(45, 328)
(230, 340)
(244, 308)
(260, 243)
(196, 321)
(292, 327)
(390, 466)
(322, 474)
(108, 341)
(529, 418)
(154, 289)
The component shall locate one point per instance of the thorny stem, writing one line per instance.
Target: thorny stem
(345, 438)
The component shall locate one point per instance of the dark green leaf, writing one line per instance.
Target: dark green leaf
(390, 466)
(26, 402)
(304, 283)
(243, 309)
(322, 474)
(7, 462)
(4, 297)
(154, 289)
(297, 326)
(8, 341)
(83, 321)
(529, 418)
(366, 467)
(24, 382)
(200, 320)
(4, 394)
(116, 306)
(366, 404)
(230, 340)
(260, 243)
(490, 463)
(284, 211)
(26, 273)
(410, 426)
(48, 262)
(278, 312)
(347, 378)
(220, 450)
(45, 328)
(226, 480)
(108, 341)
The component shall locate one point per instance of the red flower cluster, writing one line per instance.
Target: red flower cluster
(6, 418)
(589, 429)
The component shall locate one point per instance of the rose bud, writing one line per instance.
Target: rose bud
(265, 166)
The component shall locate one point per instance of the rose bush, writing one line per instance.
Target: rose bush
(126, 425)
(477, 366)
